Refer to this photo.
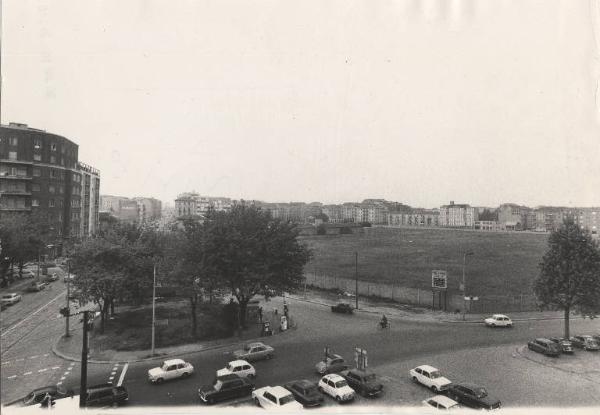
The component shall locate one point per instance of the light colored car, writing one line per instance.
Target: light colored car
(332, 364)
(337, 387)
(238, 367)
(498, 320)
(275, 397)
(10, 299)
(430, 377)
(170, 369)
(254, 351)
(441, 402)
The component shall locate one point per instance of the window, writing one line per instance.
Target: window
(60, 203)
(62, 149)
(12, 155)
(51, 203)
(59, 217)
(37, 144)
(35, 187)
(37, 157)
(37, 172)
(52, 174)
(13, 141)
(35, 202)
(53, 159)
(51, 189)
(61, 189)
(62, 161)
(53, 146)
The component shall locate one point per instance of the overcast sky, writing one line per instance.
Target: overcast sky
(421, 102)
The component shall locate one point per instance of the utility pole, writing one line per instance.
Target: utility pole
(356, 277)
(84, 359)
(67, 334)
(153, 308)
(464, 286)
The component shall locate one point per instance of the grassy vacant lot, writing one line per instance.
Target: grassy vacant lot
(502, 264)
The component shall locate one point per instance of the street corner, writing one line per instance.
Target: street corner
(585, 363)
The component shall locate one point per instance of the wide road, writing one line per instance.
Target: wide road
(475, 353)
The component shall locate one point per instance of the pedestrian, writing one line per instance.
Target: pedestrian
(275, 310)
(285, 310)
(260, 313)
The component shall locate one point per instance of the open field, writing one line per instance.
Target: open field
(502, 264)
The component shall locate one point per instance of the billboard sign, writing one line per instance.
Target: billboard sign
(439, 279)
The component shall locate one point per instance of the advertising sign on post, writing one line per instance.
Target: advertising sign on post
(439, 279)
(360, 358)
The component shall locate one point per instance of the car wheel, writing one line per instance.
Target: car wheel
(415, 379)
(185, 374)
(210, 401)
(252, 376)
(492, 325)
(337, 398)
(321, 389)
(269, 356)
(256, 401)
(159, 380)
(434, 389)
(115, 405)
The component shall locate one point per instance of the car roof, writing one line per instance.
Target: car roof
(471, 385)
(333, 377)
(499, 315)
(427, 368)
(334, 356)
(238, 362)
(303, 383)
(544, 340)
(279, 391)
(174, 362)
(444, 400)
(9, 294)
(253, 344)
(361, 372)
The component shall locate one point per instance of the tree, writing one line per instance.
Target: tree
(569, 278)
(247, 250)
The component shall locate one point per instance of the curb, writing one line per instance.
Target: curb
(160, 357)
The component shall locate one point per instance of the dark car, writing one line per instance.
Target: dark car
(585, 342)
(36, 396)
(106, 395)
(363, 382)
(565, 345)
(342, 308)
(305, 392)
(224, 388)
(51, 277)
(472, 395)
(544, 346)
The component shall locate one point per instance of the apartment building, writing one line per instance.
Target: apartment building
(457, 215)
(415, 217)
(193, 204)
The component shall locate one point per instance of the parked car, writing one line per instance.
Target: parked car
(305, 392)
(36, 286)
(332, 364)
(565, 345)
(363, 382)
(224, 388)
(10, 299)
(170, 369)
(255, 351)
(275, 397)
(336, 387)
(498, 320)
(441, 402)
(51, 277)
(430, 377)
(238, 367)
(342, 308)
(106, 395)
(36, 396)
(472, 395)
(544, 346)
(585, 342)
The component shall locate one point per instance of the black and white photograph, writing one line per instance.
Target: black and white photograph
(333, 206)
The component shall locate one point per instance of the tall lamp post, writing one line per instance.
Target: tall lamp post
(356, 277)
(153, 308)
(464, 286)
(67, 334)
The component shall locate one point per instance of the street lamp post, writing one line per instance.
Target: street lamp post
(356, 277)
(464, 286)
(153, 308)
(67, 334)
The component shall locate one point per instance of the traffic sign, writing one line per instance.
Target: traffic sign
(360, 358)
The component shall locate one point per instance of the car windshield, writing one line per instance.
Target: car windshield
(286, 399)
(370, 377)
(310, 390)
(480, 392)
(435, 375)
(341, 383)
(7, 296)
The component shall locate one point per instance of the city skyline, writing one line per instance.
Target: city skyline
(411, 102)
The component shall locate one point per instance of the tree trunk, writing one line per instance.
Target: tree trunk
(112, 307)
(567, 312)
(242, 311)
(194, 317)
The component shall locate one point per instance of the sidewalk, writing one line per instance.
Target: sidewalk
(70, 348)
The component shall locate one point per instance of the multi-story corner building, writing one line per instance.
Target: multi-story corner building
(40, 173)
(458, 216)
(193, 204)
(415, 217)
(515, 217)
(149, 209)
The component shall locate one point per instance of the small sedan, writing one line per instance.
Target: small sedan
(441, 402)
(472, 395)
(332, 364)
(585, 342)
(342, 308)
(544, 346)
(36, 286)
(565, 345)
(336, 387)
(238, 367)
(10, 299)
(363, 382)
(52, 277)
(498, 320)
(305, 392)
(170, 369)
(429, 376)
(255, 351)
(275, 397)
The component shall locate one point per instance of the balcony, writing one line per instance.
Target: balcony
(17, 161)
(14, 209)
(15, 177)
(15, 192)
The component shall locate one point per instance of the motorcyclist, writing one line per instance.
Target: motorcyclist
(384, 322)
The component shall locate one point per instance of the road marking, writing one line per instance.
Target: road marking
(32, 314)
(34, 357)
(19, 360)
(46, 355)
(63, 378)
(59, 383)
(12, 377)
(27, 373)
(42, 370)
(55, 367)
(5, 363)
(122, 377)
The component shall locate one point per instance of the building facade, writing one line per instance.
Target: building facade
(458, 216)
(193, 204)
(40, 174)
(416, 217)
